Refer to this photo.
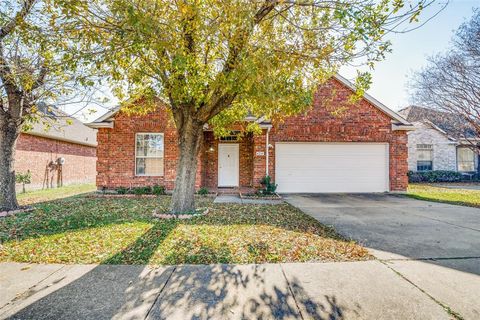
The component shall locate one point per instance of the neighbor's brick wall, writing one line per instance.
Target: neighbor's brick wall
(444, 150)
(334, 118)
(34, 153)
(116, 151)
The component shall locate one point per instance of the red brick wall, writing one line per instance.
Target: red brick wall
(210, 172)
(34, 153)
(334, 118)
(116, 151)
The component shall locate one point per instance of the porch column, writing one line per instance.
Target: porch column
(259, 152)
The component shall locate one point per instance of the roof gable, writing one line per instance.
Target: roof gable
(400, 123)
(450, 124)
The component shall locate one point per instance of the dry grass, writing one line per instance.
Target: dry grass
(54, 193)
(122, 231)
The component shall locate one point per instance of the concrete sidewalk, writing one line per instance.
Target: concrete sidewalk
(341, 290)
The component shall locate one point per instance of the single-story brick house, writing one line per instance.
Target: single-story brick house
(336, 146)
(440, 142)
(58, 150)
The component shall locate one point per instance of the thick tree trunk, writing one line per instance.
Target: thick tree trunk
(9, 133)
(190, 136)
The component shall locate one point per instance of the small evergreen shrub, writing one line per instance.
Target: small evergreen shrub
(158, 190)
(141, 190)
(269, 187)
(202, 191)
(121, 190)
(434, 176)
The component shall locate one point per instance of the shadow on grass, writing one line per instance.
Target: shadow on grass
(113, 291)
(79, 213)
(73, 214)
(143, 248)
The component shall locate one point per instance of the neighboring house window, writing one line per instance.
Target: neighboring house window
(424, 157)
(465, 159)
(149, 154)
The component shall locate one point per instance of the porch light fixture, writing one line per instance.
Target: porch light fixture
(210, 149)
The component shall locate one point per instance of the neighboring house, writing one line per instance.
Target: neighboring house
(439, 142)
(336, 146)
(58, 150)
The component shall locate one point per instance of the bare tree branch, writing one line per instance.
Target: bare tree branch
(451, 82)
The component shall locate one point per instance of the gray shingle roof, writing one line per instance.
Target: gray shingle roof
(60, 129)
(453, 125)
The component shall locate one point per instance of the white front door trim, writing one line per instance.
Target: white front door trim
(228, 164)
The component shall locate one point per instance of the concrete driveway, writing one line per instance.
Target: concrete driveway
(434, 246)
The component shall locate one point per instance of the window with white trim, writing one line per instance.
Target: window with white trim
(149, 154)
(465, 159)
(424, 157)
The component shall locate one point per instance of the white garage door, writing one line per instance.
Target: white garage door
(331, 167)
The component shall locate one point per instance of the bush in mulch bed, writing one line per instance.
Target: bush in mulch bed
(266, 193)
(186, 215)
(122, 192)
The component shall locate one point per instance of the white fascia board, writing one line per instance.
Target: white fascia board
(97, 125)
(46, 135)
(402, 127)
(374, 101)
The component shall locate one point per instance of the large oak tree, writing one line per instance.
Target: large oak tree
(214, 61)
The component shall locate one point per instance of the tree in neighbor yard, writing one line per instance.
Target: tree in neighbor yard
(451, 81)
(35, 66)
(215, 61)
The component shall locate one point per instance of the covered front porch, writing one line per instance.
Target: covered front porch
(234, 163)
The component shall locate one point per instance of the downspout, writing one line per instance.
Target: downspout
(267, 152)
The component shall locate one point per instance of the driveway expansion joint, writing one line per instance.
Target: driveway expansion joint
(446, 222)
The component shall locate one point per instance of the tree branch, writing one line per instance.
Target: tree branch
(238, 42)
(20, 16)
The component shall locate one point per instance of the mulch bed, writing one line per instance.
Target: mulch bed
(129, 195)
(114, 195)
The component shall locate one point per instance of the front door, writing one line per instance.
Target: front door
(228, 165)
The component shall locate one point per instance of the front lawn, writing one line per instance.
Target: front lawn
(462, 197)
(122, 231)
(54, 193)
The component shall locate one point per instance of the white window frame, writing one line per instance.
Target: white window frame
(145, 157)
(424, 147)
(458, 162)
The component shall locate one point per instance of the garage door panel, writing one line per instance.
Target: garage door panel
(324, 167)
